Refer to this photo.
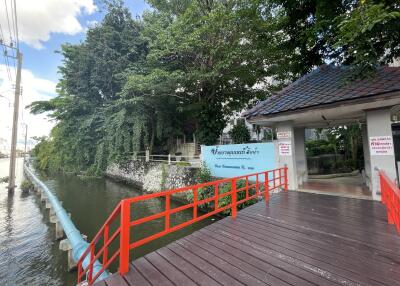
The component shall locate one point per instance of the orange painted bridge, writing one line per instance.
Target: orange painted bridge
(295, 239)
(288, 238)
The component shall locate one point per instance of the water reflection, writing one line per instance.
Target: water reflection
(29, 254)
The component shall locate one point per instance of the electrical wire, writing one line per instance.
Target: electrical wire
(16, 24)
(14, 35)
(1, 33)
(5, 54)
(14, 40)
(13, 21)
(8, 20)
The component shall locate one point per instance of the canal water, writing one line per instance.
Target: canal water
(29, 253)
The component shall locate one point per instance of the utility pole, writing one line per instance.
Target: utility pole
(11, 178)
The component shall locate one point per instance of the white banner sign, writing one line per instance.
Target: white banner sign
(381, 145)
(285, 148)
(284, 135)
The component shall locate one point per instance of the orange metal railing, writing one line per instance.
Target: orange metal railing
(255, 185)
(391, 198)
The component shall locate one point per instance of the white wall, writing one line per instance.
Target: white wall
(379, 124)
(289, 161)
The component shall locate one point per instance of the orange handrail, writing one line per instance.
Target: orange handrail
(256, 184)
(390, 195)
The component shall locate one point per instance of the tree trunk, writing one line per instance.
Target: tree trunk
(152, 135)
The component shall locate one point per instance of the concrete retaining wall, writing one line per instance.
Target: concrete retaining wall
(153, 176)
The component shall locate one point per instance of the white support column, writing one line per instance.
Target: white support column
(379, 128)
(300, 155)
(367, 158)
(286, 152)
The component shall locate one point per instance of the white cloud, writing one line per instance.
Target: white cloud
(38, 19)
(34, 88)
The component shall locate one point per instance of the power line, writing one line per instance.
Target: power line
(16, 24)
(2, 43)
(13, 20)
(7, 64)
(8, 21)
(14, 33)
(12, 28)
(1, 33)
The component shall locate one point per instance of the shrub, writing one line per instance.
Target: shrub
(224, 201)
(26, 185)
(319, 147)
(183, 164)
(203, 176)
(239, 133)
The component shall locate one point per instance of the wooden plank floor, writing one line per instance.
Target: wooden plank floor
(297, 239)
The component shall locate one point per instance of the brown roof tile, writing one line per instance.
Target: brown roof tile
(327, 84)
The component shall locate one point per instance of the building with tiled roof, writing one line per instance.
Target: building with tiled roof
(330, 96)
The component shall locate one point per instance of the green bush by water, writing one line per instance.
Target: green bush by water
(26, 185)
(204, 176)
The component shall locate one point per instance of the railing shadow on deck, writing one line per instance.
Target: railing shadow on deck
(117, 228)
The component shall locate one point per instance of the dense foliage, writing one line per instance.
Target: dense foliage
(344, 141)
(204, 176)
(185, 66)
(240, 133)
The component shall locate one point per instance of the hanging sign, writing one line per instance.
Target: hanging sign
(285, 148)
(381, 145)
(284, 135)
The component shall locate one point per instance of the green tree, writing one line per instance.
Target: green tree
(240, 133)
(369, 35)
(202, 47)
(93, 126)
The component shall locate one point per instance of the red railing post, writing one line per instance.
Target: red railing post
(390, 209)
(167, 210)
(195, 199)
(105, 253)
(257, 185)
(79, 272)
(397, 213)
(216, 197)
(286, 178)
(124, 237)
(234, 198)
(247, 187)
(90, 271)
(382, 189)
(266, 187)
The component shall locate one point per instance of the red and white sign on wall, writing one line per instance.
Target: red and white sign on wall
(283, 134)
(381, 145)
(285, 148)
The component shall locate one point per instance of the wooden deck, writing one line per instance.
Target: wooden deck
(298, 239)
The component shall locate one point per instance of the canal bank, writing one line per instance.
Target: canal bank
(29, 252)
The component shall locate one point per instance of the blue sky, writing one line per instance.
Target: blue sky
(44, 62)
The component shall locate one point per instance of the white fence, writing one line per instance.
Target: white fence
(194, 161)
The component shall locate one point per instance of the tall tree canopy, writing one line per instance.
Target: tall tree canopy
(187, 65)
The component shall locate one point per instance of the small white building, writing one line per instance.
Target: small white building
(330, 96)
